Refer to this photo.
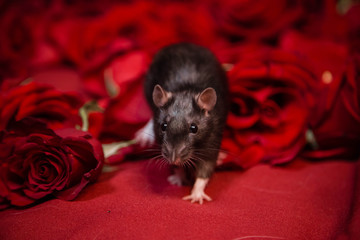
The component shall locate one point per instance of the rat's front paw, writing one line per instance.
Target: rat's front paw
(197, 196)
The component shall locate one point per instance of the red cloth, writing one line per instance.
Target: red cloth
(301, 200)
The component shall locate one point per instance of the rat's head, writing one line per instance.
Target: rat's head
(183, 123)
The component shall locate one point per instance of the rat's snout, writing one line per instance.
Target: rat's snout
(175, 154)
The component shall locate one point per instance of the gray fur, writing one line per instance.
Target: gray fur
(185, 70)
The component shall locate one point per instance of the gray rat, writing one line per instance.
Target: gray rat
(187, 90)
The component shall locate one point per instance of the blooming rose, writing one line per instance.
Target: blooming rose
(58, 109)
(338, 132)
(335, 123)
(327, 59)
(36, 162)
(271, 102)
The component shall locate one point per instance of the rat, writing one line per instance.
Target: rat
(186, 88)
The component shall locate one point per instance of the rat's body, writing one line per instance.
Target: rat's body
(187, 90)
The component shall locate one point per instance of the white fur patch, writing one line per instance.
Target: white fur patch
(145, 136)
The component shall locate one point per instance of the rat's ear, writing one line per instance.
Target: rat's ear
(207, 99)
(160, 96)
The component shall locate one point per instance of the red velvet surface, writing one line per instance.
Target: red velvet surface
(301, 200)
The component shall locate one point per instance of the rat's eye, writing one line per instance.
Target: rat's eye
(163, 126)
(193, 128)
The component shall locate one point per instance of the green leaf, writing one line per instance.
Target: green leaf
(85, 110)
(310, 138)
(111, 87)
(111, 148)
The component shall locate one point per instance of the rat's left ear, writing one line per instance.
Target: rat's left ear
(207, 99)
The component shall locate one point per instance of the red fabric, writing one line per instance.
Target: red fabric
(301, 200)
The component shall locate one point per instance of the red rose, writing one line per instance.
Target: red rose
(23, 45)
(353, 20)
(338, 132)
(335, 123)
(200, 29)
(255, 19)
(91, 43)
(271, 101)
(16, 42)
(61, 78)
(36, 162)
(322, 19)
(88, 42)
(328, 62)
(58, 109)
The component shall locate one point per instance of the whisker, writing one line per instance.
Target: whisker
(197, 158)
(163, 163)
(152, 150)
(155, 158)
(192, 164)
(205, 150)
(146, 133)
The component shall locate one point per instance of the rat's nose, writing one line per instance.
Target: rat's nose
(176, 154)
(175, 158)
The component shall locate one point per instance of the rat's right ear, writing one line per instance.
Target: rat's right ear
(207, 99)
(160, 96)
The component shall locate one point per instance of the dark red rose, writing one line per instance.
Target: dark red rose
(200, 29)
(100, 45)
(61, 78)
(92, 42)
(353, 21)
(16, 42)
(271, 103)
(106, 36)
(58, 109)
(338, 132)
(83, 7)
(112, 52)
(327, 59)
(36, 162)
(324, 19)
(96, 123)
(335, 123)
(23, 46)
(255, 19)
